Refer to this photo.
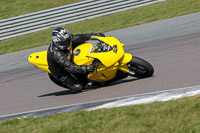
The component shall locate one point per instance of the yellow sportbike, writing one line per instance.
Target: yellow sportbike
(107, 53)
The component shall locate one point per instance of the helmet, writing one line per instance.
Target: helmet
(61, 38)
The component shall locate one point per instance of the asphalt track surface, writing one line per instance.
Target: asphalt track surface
(172, 46)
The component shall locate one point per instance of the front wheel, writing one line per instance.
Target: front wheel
(140, 68)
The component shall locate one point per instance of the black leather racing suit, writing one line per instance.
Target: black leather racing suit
(63, 71)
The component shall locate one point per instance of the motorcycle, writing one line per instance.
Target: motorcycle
(107, 53)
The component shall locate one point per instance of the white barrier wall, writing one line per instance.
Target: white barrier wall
(63, 15)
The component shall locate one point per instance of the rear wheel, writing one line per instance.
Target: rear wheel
(140, 68)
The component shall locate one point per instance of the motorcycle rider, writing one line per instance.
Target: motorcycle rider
(59, 58)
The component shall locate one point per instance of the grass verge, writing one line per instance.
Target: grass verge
(177, 116)
(157, 11)
(12, 8)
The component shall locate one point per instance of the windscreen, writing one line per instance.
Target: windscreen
(99, 46)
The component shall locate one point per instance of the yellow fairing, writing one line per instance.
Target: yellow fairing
(81, 58)
(123, 62)
(111, 61)
(39, 60)
(103, 73)
(109, 58)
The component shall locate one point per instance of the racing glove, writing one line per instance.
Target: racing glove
(97, 34)
(87, 69)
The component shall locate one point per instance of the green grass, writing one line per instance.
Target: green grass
(154, 12)
(176, 116)
(12, 8)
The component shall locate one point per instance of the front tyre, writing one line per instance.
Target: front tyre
(140, 68)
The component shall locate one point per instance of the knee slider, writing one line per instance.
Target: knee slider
(77, 87)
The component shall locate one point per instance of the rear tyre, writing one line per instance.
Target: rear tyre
(140, 68)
